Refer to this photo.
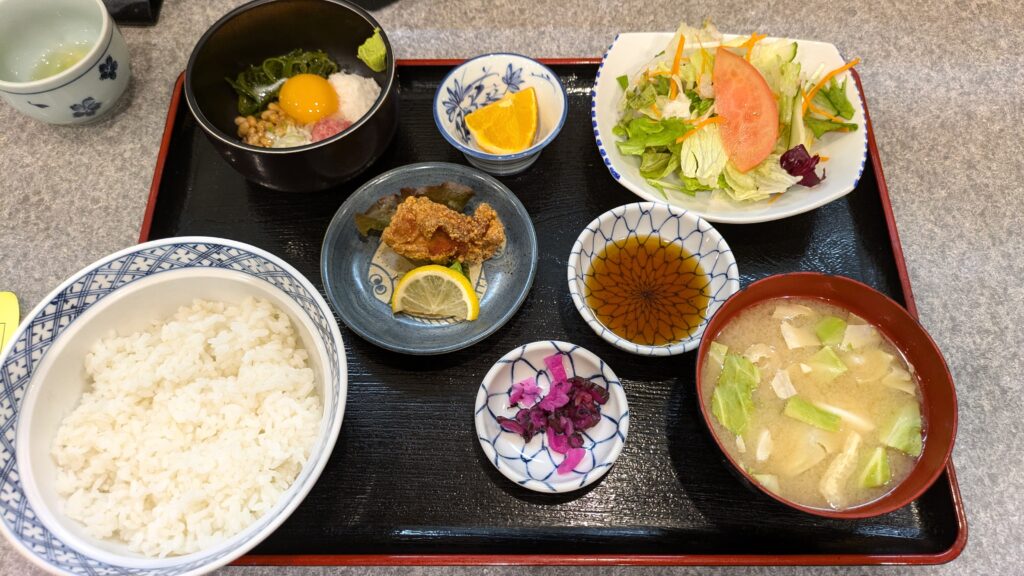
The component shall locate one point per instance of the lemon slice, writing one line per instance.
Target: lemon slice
(506, 126)
(435, 291)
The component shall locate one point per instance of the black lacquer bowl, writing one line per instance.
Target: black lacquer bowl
(264, 28)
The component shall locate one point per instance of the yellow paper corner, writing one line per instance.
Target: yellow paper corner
(8, 317)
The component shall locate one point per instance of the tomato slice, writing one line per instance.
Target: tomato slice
(750, 115)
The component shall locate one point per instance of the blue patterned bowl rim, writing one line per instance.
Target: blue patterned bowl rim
(700, 225)
(615, 389)
(19, 523)
(501, 157)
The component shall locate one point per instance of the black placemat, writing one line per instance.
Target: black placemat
(407, 475)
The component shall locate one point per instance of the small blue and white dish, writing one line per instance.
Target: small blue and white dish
(485, 79)
(33, 33)
(535, 464)
(675, 225)
(42, 379)
(359, 281)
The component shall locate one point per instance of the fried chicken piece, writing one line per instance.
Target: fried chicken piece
(425, 230)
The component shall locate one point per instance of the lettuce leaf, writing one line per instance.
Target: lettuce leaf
(639, 98)
(762, 181)
(698, 106)
(821, 127)
(643, 133)
(835, 93)
(702, 157)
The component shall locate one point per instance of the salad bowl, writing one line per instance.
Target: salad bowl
(846, 152)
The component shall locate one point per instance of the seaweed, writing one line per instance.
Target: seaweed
(257, 86)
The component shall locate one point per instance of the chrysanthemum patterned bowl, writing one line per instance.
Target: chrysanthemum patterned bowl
(675, 225)
(535, 464)
(42, 380)
(484, 80)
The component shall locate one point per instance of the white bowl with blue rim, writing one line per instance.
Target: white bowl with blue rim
(42, 380)
(34, 33)
(486, 79)
(534, 465)
(673, 225)
(847, 152)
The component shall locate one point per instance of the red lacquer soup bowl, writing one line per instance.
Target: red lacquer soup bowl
(939, 407)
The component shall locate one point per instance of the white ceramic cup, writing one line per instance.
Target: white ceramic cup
(31, 30)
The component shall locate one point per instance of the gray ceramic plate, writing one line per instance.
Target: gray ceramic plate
(359, 281)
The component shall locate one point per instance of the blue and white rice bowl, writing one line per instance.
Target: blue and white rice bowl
(42, 380)
(674, 225)
(534, 464)
(486, 79)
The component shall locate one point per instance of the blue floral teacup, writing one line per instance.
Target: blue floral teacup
(486, 79)
(61, 61)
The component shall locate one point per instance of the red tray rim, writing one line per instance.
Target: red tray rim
(617, 559)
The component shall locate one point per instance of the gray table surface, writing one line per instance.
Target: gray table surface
(945, 81)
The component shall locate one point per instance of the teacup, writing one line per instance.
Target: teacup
(61, 61)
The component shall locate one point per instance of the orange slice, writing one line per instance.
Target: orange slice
(506, 126)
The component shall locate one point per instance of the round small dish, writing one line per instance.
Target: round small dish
(534, 464)
(359, 284)
(485, 79)
(672, 224)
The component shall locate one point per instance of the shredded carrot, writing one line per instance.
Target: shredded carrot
(698, 126)
(673, 89)
(814, 108)
(823, 158)
(656, 110)
(749, 44)
(821, 83)
(774, 198)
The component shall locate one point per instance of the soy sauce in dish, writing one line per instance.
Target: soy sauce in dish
(648, 291)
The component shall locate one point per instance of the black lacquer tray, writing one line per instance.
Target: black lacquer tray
(408, 482)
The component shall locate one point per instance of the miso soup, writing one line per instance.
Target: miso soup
(814, 402)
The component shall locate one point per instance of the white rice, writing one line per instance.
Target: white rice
(190, 430)
(356, 94)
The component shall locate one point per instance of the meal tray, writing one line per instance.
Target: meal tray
(408, 482)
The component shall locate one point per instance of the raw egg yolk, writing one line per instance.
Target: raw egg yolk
(308, 98)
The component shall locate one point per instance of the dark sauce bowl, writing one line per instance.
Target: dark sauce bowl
(939, 404)
(258, 30)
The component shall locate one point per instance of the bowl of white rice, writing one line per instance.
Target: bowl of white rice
(166, 408)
